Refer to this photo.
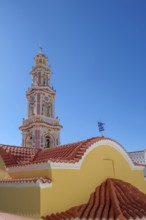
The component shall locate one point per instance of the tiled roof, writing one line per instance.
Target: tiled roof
(113, 199)
(13, 156)
(67, 153)
(26, 180)
(71, 153)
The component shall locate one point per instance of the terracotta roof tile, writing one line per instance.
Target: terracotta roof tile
(113, 199)
(66, 153)
(26, 180)
(14, 156)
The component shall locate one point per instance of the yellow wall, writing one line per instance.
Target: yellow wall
(21, 201)
(3, 173)
(34, 173)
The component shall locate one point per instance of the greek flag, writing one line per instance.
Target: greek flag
(101, 126)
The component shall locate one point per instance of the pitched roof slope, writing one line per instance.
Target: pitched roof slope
(113, 199)
(14, 156)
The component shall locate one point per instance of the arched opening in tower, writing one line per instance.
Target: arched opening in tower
(47, 142)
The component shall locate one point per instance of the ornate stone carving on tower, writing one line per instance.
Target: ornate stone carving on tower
(41, 128)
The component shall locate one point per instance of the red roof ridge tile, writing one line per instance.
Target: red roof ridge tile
(113, 199)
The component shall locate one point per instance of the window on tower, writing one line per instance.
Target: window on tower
(47, 143)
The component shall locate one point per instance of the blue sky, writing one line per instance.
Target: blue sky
(97, 52)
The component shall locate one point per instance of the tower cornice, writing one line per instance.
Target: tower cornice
(40, 68)
(40, 125)
(38, 89)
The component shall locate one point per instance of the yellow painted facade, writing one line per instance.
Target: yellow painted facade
(3, 172)
(70, 186)
(21, 201)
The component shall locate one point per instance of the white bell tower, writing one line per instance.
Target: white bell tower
(41, 128)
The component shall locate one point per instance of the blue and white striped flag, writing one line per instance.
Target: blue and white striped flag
(101, 126)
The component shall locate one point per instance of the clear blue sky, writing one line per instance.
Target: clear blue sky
(97, 52)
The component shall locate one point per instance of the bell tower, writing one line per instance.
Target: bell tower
(41, 128)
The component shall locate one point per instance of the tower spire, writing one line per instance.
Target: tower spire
(41, 128)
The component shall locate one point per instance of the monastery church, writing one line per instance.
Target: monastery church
(94, 178)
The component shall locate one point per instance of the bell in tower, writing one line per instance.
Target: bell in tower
(41, 128)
